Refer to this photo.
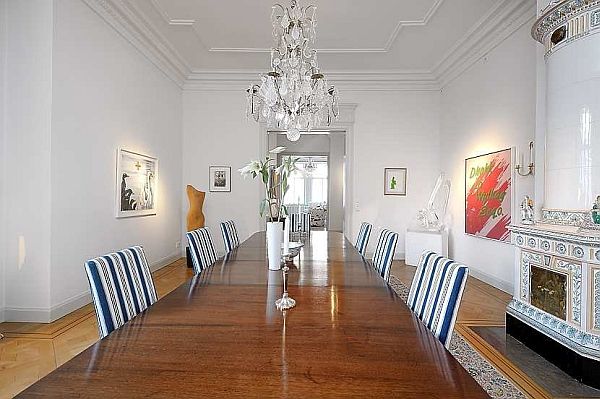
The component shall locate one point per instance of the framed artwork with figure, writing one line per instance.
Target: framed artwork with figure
(488, 195)
(220, 178)
(136, 184)
(394, 180)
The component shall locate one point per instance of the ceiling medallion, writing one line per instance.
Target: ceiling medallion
(294, 96)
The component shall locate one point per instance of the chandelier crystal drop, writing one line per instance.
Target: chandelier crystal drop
(294, 96)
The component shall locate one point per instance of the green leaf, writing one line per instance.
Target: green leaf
(263, 206)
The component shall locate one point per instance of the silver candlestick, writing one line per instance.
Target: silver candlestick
(285, 302)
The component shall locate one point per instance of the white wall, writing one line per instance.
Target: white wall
(27, 158)
(216, 132)
(489, 107)
(106, 95)
(3, 47)
(392, 129)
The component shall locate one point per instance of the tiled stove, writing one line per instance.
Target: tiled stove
(556, 304)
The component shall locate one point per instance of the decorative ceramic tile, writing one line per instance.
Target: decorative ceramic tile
(545, 245)
(575, 272)
(596, 294)
(583, 343)
(595, 19)
(566, 218)
(564, 15)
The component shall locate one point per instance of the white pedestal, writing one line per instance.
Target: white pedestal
(418, 241)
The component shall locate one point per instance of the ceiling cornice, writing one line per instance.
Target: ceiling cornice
(343, 80)
(392, 38)
(133, 26)
(496, 26)
(505, 18)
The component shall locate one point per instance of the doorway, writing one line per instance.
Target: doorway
(317, 187)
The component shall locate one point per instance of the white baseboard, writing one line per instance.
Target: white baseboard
(493, 281)
(27, 315)
(45, 315)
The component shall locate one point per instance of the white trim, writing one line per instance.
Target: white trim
(388, 44)
(505, 286)
(45, 315)
(498, 24)
(130, 24)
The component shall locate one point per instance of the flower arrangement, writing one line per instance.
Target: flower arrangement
(275, 180)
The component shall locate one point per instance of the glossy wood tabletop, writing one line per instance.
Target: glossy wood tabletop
(220, 335)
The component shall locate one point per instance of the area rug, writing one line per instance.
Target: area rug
(486, 375)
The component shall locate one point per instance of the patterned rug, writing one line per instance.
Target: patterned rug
(490, 379)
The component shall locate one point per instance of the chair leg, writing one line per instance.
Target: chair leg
(188, 256)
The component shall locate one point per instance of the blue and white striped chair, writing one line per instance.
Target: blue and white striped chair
(202, 249)
(435, 293)
(230, 236)
(363, 238)
(121, 286)
(300, 223)
(384, 253)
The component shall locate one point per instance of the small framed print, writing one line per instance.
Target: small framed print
(220, 178)
(394, 181)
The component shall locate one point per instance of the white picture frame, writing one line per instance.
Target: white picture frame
(136, 184)
(219, 179)
(394, 181)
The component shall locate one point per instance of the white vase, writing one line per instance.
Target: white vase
(274, 240)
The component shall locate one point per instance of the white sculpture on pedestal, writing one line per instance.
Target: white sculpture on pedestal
(433, 217)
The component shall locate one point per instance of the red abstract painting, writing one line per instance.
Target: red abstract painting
(488, 195)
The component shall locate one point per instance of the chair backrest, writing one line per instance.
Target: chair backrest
(384, 253)
(202, 249)
(363, 238)
(436, 292)
(300, 222)
(121, 286)
(230, 236)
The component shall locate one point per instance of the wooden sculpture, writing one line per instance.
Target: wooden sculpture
(195, 217)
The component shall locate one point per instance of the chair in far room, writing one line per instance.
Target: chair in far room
(384, 253)
(202, 249)
(363, 238)
(435, 293)
(300, 223)
(230, 236)
(121, 286)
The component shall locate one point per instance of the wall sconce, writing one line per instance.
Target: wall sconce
(531, 166)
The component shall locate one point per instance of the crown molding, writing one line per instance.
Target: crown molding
(389, 42)
(238, 80)
(491, 30)
(499, 23)
(130, 23)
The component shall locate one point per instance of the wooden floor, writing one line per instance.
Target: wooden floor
(29, 351)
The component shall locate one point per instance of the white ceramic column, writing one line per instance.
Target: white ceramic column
(573, 103)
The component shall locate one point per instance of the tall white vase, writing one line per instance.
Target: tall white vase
(274, 240)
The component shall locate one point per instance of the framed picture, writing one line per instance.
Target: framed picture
(220, 178)
(394, 181)
(488, 195)
(136, 184)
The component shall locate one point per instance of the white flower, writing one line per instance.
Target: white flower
(252, 169)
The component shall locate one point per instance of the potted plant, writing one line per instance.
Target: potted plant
(275, 179)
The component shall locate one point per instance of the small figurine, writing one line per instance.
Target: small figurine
(527, 210)
(596, 211)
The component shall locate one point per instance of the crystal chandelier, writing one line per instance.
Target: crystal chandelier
(294, 95)
(310, 167)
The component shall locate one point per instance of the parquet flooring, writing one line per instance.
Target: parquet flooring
(32, 350)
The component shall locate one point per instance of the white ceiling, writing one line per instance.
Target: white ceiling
(418, 39)
(351, 35)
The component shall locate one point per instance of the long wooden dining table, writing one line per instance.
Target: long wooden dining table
(220, 335)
